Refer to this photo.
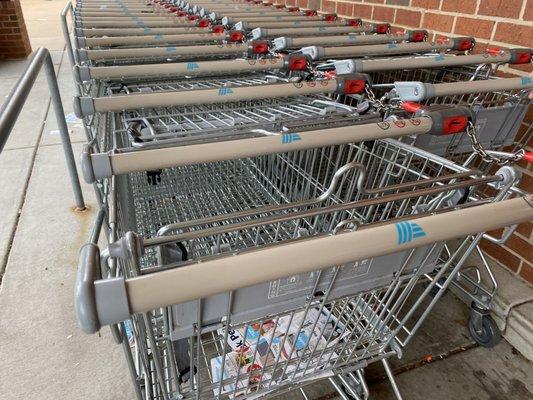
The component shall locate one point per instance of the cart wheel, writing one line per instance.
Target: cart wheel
(489, 336)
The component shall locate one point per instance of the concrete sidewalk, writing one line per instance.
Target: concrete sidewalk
(43, 353)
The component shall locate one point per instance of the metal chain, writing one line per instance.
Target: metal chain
(377, 102)
(499, 159)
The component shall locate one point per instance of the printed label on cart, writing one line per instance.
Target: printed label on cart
(408, 231)
(192, 66)
(224, 91)
(289, 138)
(295, 283)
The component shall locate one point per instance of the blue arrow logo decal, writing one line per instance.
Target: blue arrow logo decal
(408, 231)
(289, 138)
(224, 91)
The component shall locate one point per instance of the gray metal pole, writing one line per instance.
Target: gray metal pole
(63, 131)
(16, 100)
(66, 34)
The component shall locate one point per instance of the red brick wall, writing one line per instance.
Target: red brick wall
(495, 23)
(14, 42)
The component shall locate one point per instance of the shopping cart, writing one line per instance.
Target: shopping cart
(87, 75)
(244, 279)
(189, 38)
(138, 55)
(218, 13)
(285, 43)
(499, 111)
(458, 44)
(158, 113)
(356, 26)
(500, 104)
(245, 25)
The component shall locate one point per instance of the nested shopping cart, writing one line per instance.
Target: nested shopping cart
(251, 276)
(457, 44)
(355, 27)
(183, 110)
(350, 39)
(188, 38)
(411, 83)
(249, 25)
(139, 55)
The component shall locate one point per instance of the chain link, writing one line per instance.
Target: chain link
(499, 159)
(377, 102)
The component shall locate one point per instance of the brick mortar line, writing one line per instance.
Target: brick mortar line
(454, 23)
(522, 10)
(508, 249)
(505, 267)
(478, 3)
(521, 236)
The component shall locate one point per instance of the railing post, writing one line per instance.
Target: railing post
(63, 131)
(16, 100)
(66, 34)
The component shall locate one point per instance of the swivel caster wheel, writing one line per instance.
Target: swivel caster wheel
(483, 328)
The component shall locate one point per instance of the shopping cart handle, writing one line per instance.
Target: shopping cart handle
(84, 293)
(197, 281)
(97, 301)
(418, 91)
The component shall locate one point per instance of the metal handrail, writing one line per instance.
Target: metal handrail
(17, 98)
(66, 34)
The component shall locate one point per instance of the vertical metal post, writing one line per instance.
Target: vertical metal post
(63, 131)
(66, 35)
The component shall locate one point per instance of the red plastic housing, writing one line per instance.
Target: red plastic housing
(453, 125)
(354, 86)
(382, 28)
(310, 13)
(260, 47)
(235, 36)
(493, 50)
(218, 29)
(330, 17)
(418, 36)
(192, 17)
(354, 22)
(203, 23)
(465, 44)
(528, 157)
(522, 57)
(411, 106)
(297, 63)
